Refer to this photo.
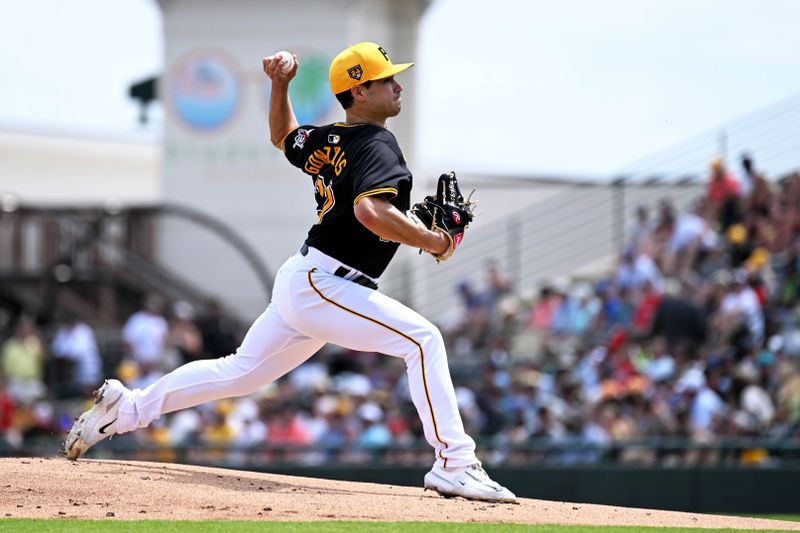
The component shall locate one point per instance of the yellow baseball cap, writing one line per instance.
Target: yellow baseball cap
(359, 63)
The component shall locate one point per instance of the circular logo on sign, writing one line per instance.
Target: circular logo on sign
(205, 89)
(310, 90)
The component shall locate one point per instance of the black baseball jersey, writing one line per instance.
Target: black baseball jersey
(346, 163)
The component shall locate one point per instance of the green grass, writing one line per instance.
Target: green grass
(140, 526)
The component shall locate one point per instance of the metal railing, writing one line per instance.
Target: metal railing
(46, 249)
(576, 232)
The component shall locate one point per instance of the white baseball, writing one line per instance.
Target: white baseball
(286, 61)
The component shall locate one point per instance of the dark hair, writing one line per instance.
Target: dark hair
(346, 97)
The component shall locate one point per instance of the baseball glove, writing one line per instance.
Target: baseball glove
(447, 212)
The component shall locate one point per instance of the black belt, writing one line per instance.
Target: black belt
(343, 272)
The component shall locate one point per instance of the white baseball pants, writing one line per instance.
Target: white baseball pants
(310, 307)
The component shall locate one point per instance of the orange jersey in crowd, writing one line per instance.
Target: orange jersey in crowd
(725, 187)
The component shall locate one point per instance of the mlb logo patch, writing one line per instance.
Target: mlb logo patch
(355, 72)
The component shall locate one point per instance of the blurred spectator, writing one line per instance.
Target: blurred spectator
(184, 336)
(786, 213)
(722, 195)
(759, 198)
(649, 300)
(375, 434)
(687, 236)
(248, 428)
(185, 427)
(499, 284)
(660, 366)
(473, 327)
(788, 265)
(740, 319)
(641, 230)
(637, 268)
(286, 428)
(218, 334)
(679, 319)
(75, 343)
(749, 174)
(740, 244)
(577, 311)
(22, 360)
(548, 427)
(142, 374)
(545, 308)
(485, 314)
(706, 405)
(37, 420)
(754, 398)
(146, 333)
(217, 432)
(6, 411)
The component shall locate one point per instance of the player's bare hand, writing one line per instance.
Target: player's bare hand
(274, 68)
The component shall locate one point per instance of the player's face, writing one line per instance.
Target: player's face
(384, 97)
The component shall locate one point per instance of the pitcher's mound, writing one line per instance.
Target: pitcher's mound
(57, 488)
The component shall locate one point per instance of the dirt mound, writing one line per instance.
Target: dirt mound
(57, 488)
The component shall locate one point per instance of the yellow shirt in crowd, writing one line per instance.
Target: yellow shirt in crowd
(22, 358)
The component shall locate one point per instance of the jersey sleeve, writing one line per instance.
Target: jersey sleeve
(296, 144)
(378, 170)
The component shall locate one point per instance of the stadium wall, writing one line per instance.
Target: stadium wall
(701, 490)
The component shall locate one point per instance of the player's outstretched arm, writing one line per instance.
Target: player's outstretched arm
(281, 116)
(389, 223)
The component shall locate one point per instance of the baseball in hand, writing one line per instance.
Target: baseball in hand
(286, 61)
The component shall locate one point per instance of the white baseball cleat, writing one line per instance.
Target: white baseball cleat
(97, 423)
(471, 482)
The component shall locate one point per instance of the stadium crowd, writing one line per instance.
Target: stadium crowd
(693, 337)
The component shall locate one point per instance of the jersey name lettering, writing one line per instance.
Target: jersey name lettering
(327, 155)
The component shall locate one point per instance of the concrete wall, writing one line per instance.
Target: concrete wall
(66, 168)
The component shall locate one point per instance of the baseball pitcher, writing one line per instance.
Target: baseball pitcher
(328, 291)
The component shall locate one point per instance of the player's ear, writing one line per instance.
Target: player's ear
(357, 92)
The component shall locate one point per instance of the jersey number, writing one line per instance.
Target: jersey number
(327, 155)
(325, 199)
